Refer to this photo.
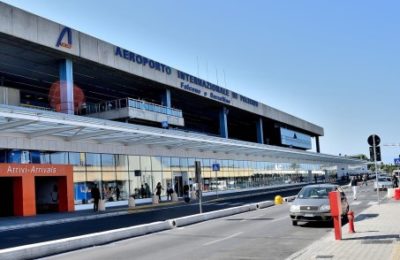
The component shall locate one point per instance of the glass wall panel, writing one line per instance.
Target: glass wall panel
(135, 186)
(166, 163)
(149, 185)
(167, 179)
(175, 166)
(109, 186)
(81, 192)
(157, 177)
(183, 163)
(77, 160)
(44, 158)
(122, 185)
(121, 162)
(59, 158)
(108, 162)
(156, 164)
(145, 163)
(134, 162)
(93, 162)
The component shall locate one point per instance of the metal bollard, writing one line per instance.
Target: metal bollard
(350, 217)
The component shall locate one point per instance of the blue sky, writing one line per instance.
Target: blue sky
(333, 63)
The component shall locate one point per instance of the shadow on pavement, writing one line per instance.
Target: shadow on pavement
(381, 239)
(362, 217)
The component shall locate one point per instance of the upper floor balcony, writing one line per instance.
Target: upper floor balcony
(129, 108)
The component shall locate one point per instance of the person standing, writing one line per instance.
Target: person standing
(147, 188)
(117, 193)
(169, 191)
(95, 192)
(142, 192)
(353, 184)
(158, 191)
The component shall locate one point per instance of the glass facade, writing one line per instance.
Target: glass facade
(129, 173)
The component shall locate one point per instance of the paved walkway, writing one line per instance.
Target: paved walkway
(377, 237)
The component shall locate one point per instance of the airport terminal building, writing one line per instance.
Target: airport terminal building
(76, 111)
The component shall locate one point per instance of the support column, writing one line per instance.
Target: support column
(260, 131)
(317, 144)
(223, 122)
(66, 87)
(166, 98)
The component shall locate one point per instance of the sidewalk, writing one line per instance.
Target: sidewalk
(377, 237)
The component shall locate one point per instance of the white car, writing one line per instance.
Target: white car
(383, 183)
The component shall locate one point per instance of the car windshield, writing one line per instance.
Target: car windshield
(315, 192)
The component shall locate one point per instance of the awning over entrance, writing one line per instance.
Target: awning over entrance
(33, 123)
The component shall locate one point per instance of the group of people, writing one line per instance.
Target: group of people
(355, 179)
(143, 192)
(107, 195)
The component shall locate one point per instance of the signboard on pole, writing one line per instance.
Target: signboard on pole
(397, 161)
(215, 167)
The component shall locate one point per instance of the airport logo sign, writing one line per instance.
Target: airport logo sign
(61, 42)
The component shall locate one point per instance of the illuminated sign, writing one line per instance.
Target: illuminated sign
(295, 139)
(62, 43)
(136, 58)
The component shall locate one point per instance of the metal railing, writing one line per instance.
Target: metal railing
(132, 103)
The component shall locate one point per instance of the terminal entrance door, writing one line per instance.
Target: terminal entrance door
(6, 197)
(180, 179)
(50, 194)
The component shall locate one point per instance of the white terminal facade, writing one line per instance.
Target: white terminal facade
(122, 120)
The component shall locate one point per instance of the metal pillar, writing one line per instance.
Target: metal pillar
(66, 87)
(317, 144)
(166, 98)
(223, 122)
(260, 131)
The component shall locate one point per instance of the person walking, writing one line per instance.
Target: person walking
(158, 191)
(353, 184)
(365, 180)
(95, 192)
(395, 181)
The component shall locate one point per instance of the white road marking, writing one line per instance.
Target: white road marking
(354, 203)
(222, 239)
(372, 203)
(222, 203)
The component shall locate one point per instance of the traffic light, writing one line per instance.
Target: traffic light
(377, 151)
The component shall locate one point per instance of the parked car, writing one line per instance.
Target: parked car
(312, 203)
(383, 183)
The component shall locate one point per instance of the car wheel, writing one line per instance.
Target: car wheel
(294, 222)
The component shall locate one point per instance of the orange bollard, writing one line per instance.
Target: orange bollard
(336, 212)
(350, 217)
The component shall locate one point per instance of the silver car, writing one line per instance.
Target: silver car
(312, 203)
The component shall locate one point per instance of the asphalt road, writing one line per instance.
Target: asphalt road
(261, 234)
(27, 236)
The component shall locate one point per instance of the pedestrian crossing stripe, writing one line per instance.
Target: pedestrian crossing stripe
(372, 203)
(354, 203)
